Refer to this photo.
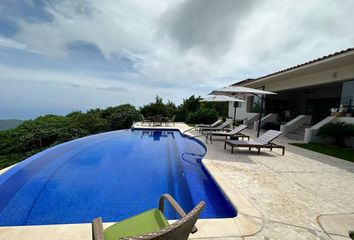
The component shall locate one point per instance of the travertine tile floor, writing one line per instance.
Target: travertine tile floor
(290, 191)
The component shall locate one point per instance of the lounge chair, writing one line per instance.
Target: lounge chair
(151, 224)
(263, 141)
(144, 120)
(170, 120)
(157, 120)
(216, 123)
(221, 127)
(233, 133)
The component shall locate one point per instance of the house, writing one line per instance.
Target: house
(308, 95)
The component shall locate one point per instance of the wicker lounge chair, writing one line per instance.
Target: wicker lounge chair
(216, 123)
(233, 133)
(221, 127)
(151, 224)
(263, 141)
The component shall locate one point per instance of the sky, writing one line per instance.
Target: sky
(58, 56)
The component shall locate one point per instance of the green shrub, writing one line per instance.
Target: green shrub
(189, 105)
(203, 115)
(45, 131)
(338, 131)
(120, 117)
(159, 108)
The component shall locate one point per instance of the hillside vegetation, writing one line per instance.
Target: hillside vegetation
(33, 136)
(9, 123)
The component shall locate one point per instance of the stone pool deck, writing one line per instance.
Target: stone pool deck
(301, 195)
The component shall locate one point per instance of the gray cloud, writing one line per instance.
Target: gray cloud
(172, 48)
(113, 89)
(206, 25)
(74, 85)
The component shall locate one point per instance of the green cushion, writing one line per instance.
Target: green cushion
(146, 222)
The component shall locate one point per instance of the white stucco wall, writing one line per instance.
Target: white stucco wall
(317, 75)
(322, 76)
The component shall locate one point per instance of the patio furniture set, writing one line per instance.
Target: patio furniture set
(157, 120)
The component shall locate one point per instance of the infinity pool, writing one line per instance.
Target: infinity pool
(113, 175)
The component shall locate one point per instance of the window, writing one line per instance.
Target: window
(347, 98)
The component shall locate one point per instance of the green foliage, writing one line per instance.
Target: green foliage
(221, 107)
(9, 123)
(120, 117)
(203, 115)
(338, 131)
(159, 108)
(191, 110)
(35, 135)
(191, 104)
(256, 108)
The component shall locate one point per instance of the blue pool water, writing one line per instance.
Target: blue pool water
(113, 175)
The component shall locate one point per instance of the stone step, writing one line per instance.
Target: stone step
(295, 137)
(297, 134)
(301, 129)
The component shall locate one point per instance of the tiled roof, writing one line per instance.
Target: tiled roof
(297, 66)
(243, 82)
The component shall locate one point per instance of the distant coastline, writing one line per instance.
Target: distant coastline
(9, 123)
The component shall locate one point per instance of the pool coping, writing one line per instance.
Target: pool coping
(248, 221)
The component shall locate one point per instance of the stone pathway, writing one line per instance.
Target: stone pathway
(290, 191)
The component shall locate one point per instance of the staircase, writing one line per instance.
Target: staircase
(298, 133)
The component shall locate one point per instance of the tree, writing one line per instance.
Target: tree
(159, 108)
(87, 123)
(189, 105)
(203, 115)
(120, 117)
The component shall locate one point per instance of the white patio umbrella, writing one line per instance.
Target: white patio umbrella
(244, 91)
(224, 98)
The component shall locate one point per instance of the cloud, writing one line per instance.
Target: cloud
(207, 25)
(9, 43)
(199, 40)
(113, 89)
(172, 48)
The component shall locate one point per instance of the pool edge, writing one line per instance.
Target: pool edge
(248, 221)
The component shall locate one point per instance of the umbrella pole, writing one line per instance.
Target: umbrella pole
(233, 125)
(260, 116)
